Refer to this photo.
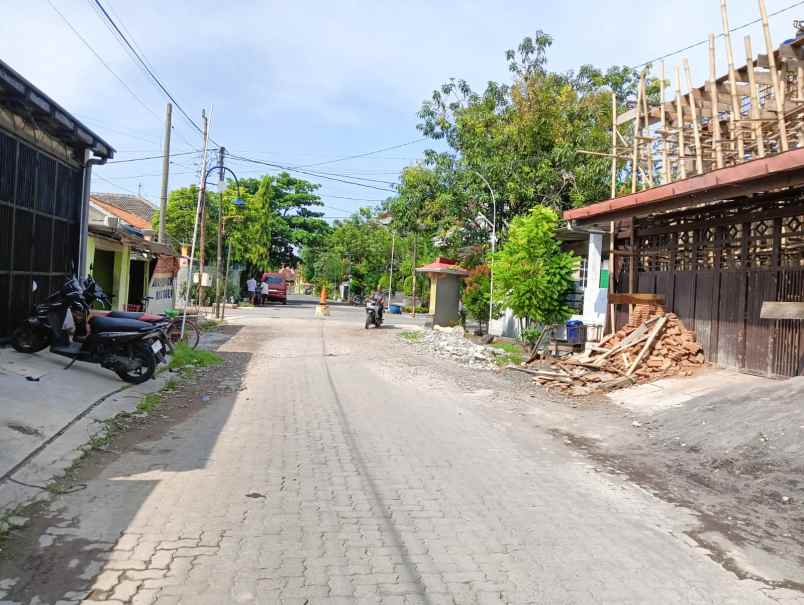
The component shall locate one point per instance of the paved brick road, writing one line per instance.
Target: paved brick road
(328, 482)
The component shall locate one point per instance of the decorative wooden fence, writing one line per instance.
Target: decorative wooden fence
(715, 266)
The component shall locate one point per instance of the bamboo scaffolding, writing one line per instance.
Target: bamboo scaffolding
(682, 168)
(696, 133)
(649, 145)
(614, 133)
(736, 127)
(756, 123)
(637, 134)
(777, 90)
(715, 122)
(663, 131)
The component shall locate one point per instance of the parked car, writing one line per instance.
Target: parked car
(277, 288)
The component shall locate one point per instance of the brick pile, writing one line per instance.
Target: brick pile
(653, 344)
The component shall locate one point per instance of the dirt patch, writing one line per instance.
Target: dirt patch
(735, 458)
(24, 429)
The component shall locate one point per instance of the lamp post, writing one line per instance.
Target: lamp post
(493, 224)
(238, 202)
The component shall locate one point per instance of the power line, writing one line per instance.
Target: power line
(121, 37)
(97, 176)
(153, 157)
(102, 61)
(355, 199)
(362, 155)
(702, 42)
(309, 173)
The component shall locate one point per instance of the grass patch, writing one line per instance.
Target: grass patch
(207, 325)
(185, 357)
(513, 353)
(148, 403)
(411, 335)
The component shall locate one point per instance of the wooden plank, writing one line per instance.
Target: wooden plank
(696, 133)
(646, 349)
(731, 318)
(704, 322)
(684, 305)
(782, 310)
(759, 332)
(636, 299)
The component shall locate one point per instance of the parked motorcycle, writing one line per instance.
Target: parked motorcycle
(130, 348)
(373, 314)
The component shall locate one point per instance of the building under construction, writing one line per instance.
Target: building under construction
(712, 218)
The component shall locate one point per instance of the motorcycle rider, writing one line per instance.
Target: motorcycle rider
(378, 299)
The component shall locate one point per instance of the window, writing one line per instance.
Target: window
(583, 273)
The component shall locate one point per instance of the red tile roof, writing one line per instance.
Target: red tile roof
(443, 265)
(728, 180)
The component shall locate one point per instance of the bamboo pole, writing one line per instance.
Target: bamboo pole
(800, 99)
(613, 144)
(696, 133)
(717, 145)
(611, 278)
(637, 133)
(663, 119)
(649, 143)
(736, 126)
(682, 166)
(756, 123)
(777, 91)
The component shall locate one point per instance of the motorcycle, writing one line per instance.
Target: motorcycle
(373, 314)
(130, 348)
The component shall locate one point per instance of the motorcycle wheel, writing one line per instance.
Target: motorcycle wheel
(147, 368)
(368, 322)
(25, 340)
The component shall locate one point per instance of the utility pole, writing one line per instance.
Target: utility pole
(203, 178)
(415, 237)
(165, 173)
(218, 272)
(202, 239)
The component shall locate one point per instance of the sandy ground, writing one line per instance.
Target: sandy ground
(735, 457)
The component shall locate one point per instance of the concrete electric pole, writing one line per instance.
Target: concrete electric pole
(218, 272)
(165, 173)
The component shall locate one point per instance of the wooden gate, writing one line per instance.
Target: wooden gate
(715, 267)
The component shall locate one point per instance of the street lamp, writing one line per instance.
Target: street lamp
(493, 225)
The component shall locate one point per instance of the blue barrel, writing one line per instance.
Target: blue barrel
(395, 309)
(575, 331)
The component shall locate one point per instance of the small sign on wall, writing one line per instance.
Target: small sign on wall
(161, 290)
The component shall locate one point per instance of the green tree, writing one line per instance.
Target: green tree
(476, 293)
(531, 274)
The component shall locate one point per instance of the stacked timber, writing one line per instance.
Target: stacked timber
(652, 345)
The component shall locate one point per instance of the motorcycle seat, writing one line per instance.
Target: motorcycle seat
(104, 323)
(125, 314)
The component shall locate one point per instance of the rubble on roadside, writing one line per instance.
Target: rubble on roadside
(652, 345)
(452, 343)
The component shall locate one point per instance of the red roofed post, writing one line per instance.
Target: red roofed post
(445, 275)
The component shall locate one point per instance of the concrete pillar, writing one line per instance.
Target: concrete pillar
(122, 264)
(593, 267)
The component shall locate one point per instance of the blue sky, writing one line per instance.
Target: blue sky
(299, 83)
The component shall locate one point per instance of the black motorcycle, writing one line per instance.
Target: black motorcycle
(130, 348)
(373, 314)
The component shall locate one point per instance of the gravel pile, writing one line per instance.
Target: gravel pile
(451, 343)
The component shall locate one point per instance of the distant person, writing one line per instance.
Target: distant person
(251, 285)
(264, 290)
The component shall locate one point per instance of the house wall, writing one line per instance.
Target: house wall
(40, 215)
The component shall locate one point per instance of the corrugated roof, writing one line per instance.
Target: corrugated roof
(17, 93)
